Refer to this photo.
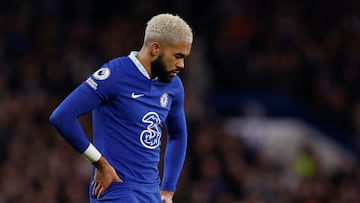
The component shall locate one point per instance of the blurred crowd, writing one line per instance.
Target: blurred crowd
(305, 49)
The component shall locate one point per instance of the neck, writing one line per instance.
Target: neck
(145, 60)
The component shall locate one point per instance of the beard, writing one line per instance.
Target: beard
(158, 69)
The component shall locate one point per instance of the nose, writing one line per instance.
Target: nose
(180, 64)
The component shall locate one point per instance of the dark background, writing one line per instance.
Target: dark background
(297, 58)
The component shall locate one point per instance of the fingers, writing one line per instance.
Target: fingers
(166, 200)
(97, 189)
(166, 196)
(102, 179)
(99, 193)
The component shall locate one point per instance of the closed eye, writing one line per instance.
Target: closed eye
(179, 56)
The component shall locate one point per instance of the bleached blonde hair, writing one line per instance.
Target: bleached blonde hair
(168, 27)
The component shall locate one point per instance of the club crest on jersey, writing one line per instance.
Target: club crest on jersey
(102, 73)
(164, 99)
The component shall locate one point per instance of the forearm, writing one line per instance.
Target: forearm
(173, 161)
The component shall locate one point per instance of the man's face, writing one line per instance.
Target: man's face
(171, 61)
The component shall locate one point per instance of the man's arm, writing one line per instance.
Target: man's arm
(65, 119)
(175, 151)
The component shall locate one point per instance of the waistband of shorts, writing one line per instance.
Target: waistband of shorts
(144, 187)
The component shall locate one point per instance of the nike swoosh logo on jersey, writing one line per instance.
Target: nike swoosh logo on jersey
(135, 96)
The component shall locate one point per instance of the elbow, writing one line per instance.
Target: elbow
(55, 118)
(52, 118)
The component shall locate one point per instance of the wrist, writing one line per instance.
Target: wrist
(91, 154)
(101, 163)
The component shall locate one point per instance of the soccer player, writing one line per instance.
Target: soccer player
(131, 99)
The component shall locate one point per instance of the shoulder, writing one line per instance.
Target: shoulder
(106, 79)
(107, 73)
(116, 66)
(119, 63)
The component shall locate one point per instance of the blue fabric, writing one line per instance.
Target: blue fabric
(128, 112)
(119, 192)
(64, 118)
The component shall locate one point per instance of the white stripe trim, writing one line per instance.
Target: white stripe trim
(137, 63)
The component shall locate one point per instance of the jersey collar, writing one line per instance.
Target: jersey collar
(137, 63)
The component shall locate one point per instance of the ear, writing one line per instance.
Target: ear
(155, 48)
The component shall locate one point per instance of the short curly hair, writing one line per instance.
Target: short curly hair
(168, 27)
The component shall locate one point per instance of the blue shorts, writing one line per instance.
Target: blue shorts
(119, 192)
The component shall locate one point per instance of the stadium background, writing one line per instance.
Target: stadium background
(272, 96)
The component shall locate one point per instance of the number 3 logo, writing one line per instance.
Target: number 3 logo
(150, 138)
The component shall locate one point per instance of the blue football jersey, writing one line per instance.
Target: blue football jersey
(129, 111)
(128, 122)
